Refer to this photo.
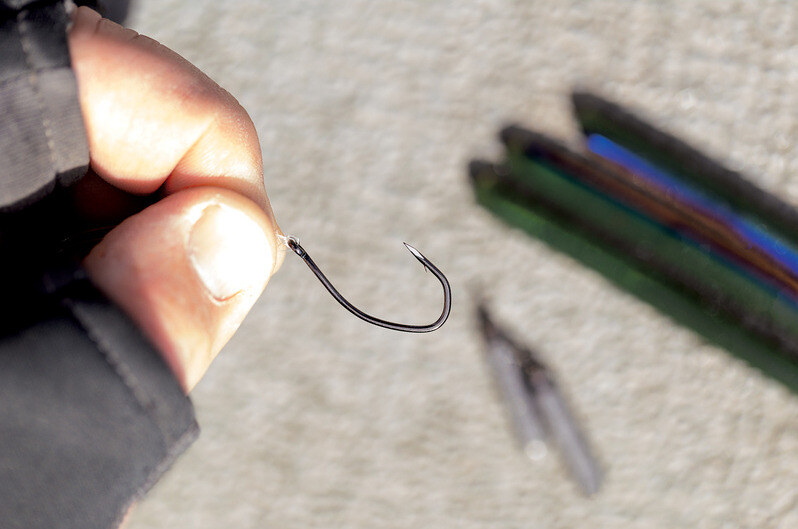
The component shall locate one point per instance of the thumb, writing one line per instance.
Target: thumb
(187, 270)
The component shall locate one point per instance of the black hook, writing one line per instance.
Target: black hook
(293, 243)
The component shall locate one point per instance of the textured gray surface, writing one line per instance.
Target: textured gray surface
(367, 113)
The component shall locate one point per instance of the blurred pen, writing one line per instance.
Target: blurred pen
(537, 407)
(562, 428)
(506, 366)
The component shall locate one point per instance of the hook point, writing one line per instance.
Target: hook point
(415, 252)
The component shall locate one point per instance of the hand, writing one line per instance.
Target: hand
(188, 268)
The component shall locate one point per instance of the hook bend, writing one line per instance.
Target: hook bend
(293, 243)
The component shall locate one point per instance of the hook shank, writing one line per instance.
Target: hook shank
(293, 243)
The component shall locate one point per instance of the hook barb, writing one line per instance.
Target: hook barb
(293, 244)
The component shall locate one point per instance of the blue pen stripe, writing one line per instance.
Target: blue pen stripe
(748, 230)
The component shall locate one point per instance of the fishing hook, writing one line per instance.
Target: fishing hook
(293, 243)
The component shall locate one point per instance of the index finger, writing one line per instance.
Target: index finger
(153, 119)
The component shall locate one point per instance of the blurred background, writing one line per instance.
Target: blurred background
(368, 113)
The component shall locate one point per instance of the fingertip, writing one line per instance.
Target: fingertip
(88, 23)
(84, 22)
(187, 270)
(229, 252)
(153, 119)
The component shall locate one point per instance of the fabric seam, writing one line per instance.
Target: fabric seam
(33, 78)
(142, 399)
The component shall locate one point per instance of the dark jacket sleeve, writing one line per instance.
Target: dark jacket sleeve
(90, 415)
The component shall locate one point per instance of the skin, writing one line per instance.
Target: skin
(157, 125)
